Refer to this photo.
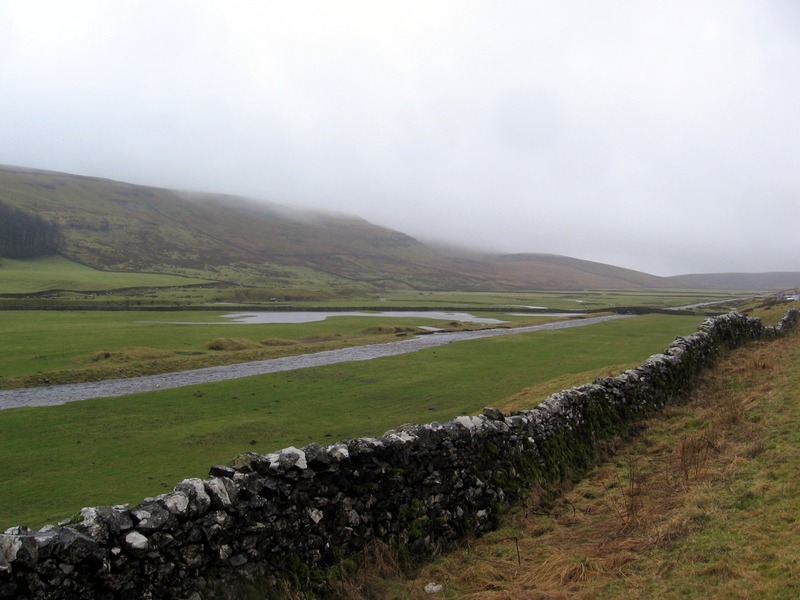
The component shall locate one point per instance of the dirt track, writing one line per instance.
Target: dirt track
(61, 394)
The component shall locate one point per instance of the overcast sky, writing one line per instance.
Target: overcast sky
(662, 136)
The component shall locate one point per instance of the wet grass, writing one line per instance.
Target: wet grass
(107, 451)
(25, 276)
(74, 346)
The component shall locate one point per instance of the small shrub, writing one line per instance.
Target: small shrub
(387, 329)
(232, 344)
(131, 354)
(278, 342)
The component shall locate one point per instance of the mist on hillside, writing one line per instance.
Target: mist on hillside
(661, 138)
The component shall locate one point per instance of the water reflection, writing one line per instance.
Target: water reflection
(311, 316)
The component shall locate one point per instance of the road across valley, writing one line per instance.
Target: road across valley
(61, 394)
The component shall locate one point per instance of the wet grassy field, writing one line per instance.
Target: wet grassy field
(107, 451)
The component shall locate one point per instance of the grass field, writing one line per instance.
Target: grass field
(72, 284)
(27, 276)
(106, 451)
(81, 345)
(71, 346)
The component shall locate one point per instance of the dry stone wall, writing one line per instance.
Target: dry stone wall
(297, 513)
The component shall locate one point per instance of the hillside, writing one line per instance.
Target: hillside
(735, 281)
(549, 271)
(115, 226)
(122, 227)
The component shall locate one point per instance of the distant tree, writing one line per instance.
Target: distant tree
(23, 235)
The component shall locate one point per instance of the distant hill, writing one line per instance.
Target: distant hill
(780, 280)
(117, 226)
(550, 271)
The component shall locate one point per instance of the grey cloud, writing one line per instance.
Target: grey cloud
(658, 137)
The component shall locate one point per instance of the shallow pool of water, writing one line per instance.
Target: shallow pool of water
(548, 314)
(310, 316)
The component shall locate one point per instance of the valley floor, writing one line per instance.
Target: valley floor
(60, 394)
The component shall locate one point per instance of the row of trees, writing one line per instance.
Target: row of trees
(23, 235)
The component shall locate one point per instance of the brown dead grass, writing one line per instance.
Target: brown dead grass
(232, 344)
(388, 329)
(278, 342)
(133, 353)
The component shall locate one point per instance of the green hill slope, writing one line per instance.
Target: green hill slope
(115, 226)
(122, 227)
